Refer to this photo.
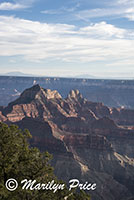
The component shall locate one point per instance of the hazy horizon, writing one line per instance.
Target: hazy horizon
(81, 76)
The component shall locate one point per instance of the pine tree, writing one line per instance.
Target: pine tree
(20, 161)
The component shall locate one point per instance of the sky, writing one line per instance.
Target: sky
(67, 38)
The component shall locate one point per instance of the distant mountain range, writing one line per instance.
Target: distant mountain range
(17, 73)
(80, 76)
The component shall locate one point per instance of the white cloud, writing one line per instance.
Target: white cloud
(104, 30)
(101, 12)
(116, 9)
(37, 41)
(61, 10)
(52, 12)
(130, 14)
(98, 12)
(125, 2)
(11, 6)
(16, 5)
(130, 17)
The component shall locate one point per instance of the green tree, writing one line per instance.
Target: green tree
(20, 161)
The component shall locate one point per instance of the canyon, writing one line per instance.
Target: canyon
(89, 141)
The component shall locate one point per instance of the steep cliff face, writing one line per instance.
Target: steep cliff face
(123, 116)
(96, 161)
(42, 136)
(2, 117)
(87, 141)
(83, 136)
